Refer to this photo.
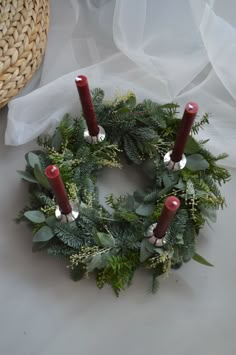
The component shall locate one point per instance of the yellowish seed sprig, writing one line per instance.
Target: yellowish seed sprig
(108, 155)
(80, 258)
(192, 203)
(59, 158)
(162, 147)
(209, 199)
(48, 210)
(215, 200)
(163, 259)
(100, 281)
(56, 157)
(64, 145)
(114, 201)
(76, 162)
(88, 198)
(123, 98)
(84, 254)
(112, 163)
(72, 191)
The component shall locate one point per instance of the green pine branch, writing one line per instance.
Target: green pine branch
(68, 235)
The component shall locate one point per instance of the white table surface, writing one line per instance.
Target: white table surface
(43, 312)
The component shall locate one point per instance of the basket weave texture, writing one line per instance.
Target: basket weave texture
(23, 36)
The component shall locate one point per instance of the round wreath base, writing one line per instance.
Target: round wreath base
(113, 245)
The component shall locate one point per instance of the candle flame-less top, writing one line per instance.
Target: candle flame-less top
(78, 79)
(52, 171)
(172, 203)
(191, 108)
(81, 81)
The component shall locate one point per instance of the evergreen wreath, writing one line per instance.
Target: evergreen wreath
(112, 245)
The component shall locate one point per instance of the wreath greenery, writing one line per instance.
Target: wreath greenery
(113, 244)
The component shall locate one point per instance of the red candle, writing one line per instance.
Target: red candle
(87, 105)
(170, 208)
(54, 177)
(190, 112)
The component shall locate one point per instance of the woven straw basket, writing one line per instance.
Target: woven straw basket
(23, 36)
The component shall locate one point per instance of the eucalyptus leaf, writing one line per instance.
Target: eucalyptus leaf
(166, 180)
(201, 260)
(149, 167)
(41, 178)
(159, 251)
(51, 221)
(169, 179)
(33, 159)
(27, 176)
(98, 261)
(105, 240)
(150, 247)
(151, 196)
(35, 216)
(144, 252)
(196, 162)
(43, 234)
(36, 151)
(192, 146)
(145, 209)
(139, 195)
(180, 185)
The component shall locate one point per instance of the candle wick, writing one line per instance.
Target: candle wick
(175, 203)
(78, 78)
(190, 106)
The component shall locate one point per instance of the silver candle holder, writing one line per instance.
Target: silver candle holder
(157, 242)
(95, 139)
(70, 217)
(172, 165)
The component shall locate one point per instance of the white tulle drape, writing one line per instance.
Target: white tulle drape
(166, 50)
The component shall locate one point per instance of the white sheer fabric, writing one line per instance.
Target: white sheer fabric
(166, 50)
